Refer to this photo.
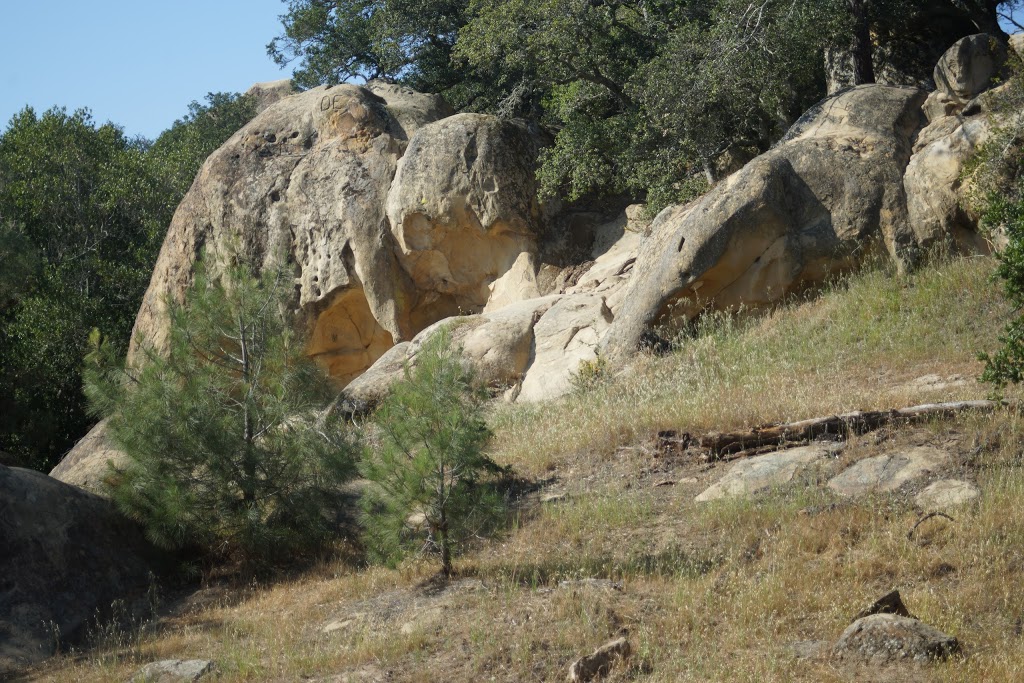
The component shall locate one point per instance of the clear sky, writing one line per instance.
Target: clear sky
(137, 63)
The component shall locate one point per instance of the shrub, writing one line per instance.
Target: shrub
(429, 487)
(229, 444)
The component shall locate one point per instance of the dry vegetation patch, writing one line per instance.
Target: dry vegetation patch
(742, 589)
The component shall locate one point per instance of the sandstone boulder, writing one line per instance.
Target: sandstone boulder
(310, 184)
(882, 639)
(411, 110)
(65, 557)
(566, 336)
(498, 345)
(969, 67)
(269, 92)
(935, 184)
(827, 195)
(609, 274)
(87, 465)
(463, 205)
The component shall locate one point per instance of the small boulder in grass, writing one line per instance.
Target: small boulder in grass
(885, 639)
(173, 671)
(600, 662)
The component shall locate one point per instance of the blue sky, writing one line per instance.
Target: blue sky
(137, 63)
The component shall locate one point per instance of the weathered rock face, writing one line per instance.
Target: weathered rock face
(968, 68)
(462, 206)
(497, 345)
(64, 556)
(269, 92)
(87, 465)
(827, 195)
(962, 115)
(306, 185)
(566, 336)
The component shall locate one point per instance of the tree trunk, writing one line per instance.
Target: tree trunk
(860, 46)
(720, 444)
(446, 552)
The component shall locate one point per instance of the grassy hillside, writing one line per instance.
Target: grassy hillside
(610, 540)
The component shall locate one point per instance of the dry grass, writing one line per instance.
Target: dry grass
(852, 348)
(712, 592)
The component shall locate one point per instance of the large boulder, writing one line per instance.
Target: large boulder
(65, 557)
(88, 464)
(935, 182)
(310, 185)
(565, 337)
(463, 205)
(970, 66)
(829, 194)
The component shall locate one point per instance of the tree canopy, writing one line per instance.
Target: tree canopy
(229, 442)
(83, 212)
(651, 99)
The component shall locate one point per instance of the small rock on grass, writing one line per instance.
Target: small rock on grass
(888, 472)
(600, 661)
(173, 671)
(947, 493)
(603, 584)
(885, 639)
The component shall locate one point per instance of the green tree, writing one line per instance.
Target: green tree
(18, 265)
(995, 176)
(343, 40)
(229, 440)
(650, 99)
(86, 209)
(90, 213)
(428, 478)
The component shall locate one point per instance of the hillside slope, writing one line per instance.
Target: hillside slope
(609, 540)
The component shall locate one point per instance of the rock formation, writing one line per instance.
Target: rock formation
(305, 185)
(827, 196)
(395, 214)
(65, 557)
(856, 175)
(87, 465)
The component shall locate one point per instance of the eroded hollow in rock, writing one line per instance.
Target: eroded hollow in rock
(457, 259)
(346, 338)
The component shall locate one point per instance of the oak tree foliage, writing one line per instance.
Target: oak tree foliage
(83, 211)
(648, 99)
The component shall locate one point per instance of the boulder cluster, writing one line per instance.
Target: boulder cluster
(398, 216)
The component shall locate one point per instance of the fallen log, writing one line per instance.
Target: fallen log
(838, 426)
